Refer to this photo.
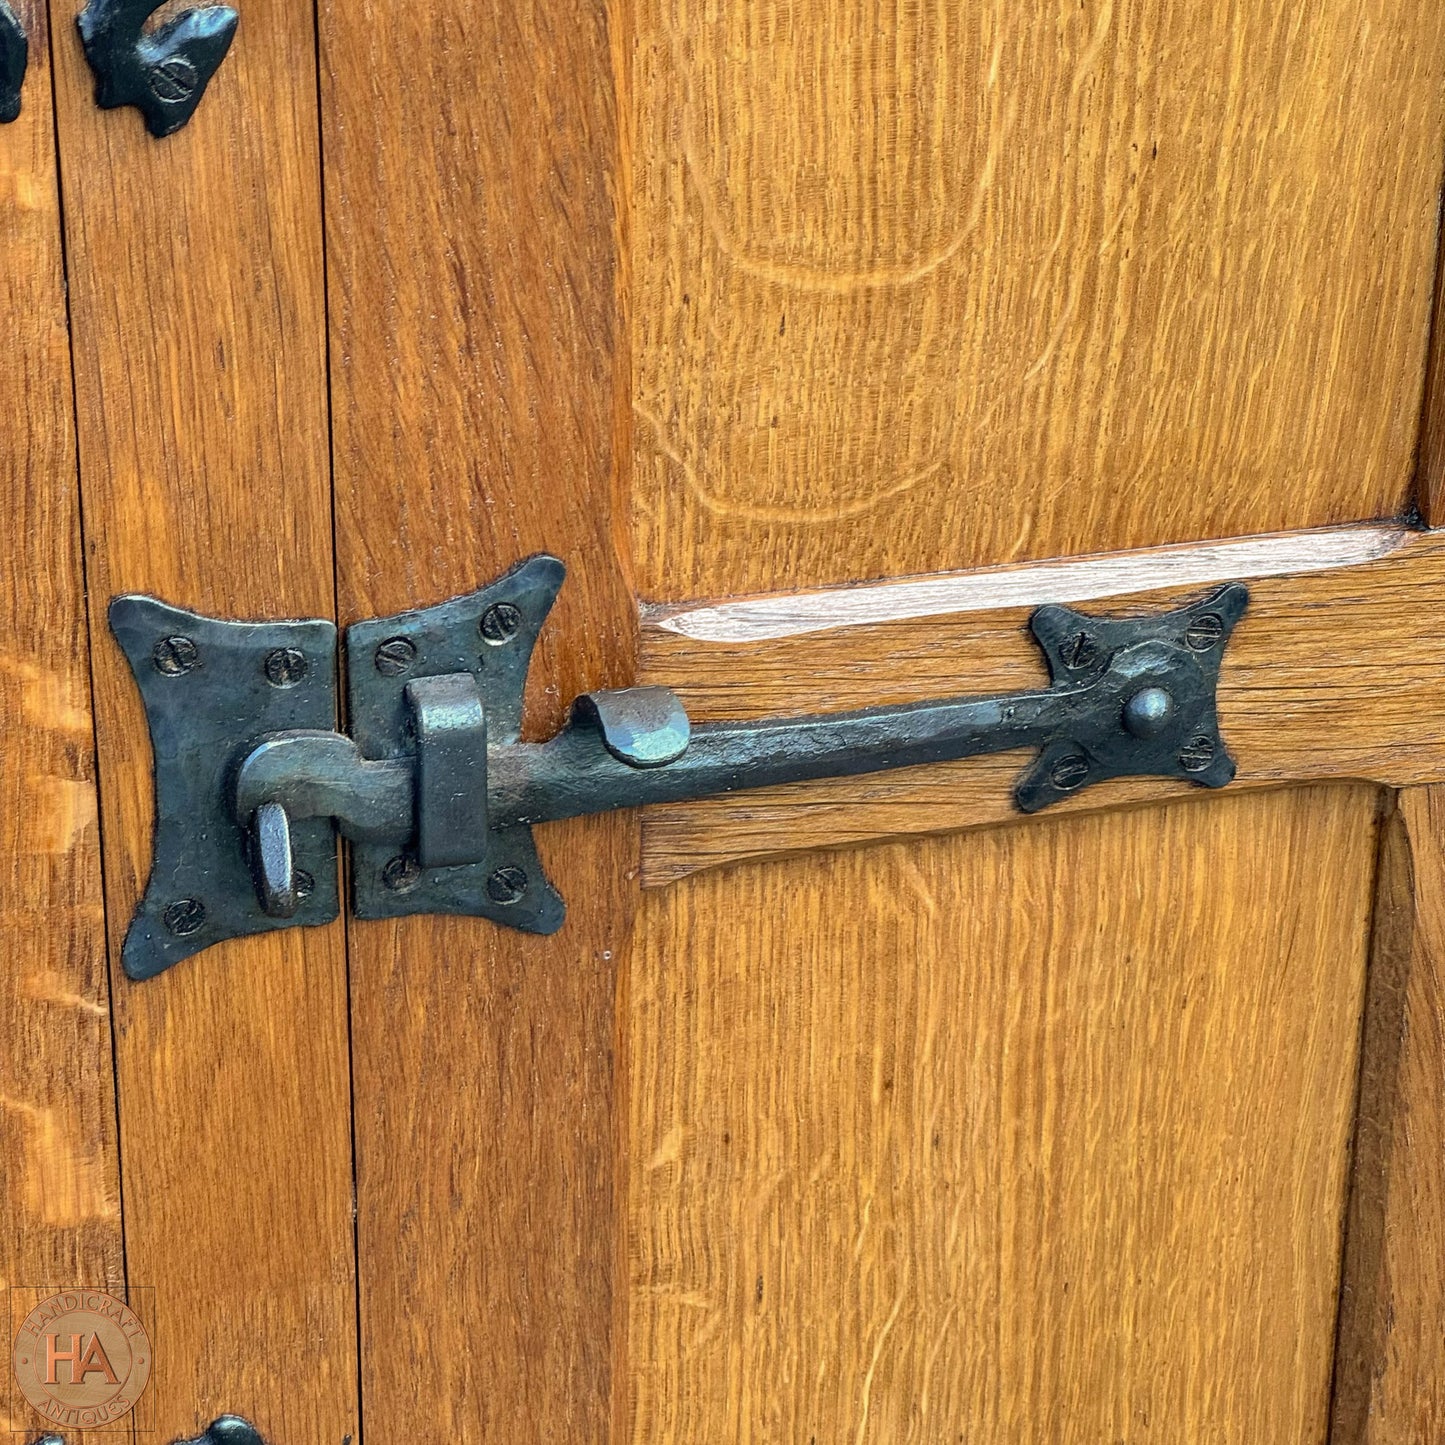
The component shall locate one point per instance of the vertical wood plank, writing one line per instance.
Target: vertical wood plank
(471, 157)
(1035, 1135)
(196, 274)
(1430, 468)
(59, 1174)
(1389, 1381)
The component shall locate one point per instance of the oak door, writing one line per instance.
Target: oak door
(821, 340)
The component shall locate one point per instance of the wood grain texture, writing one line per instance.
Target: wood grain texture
(1032, 1135)
(59, 1165)
(1430, 467)
(195, 270)
(471, 158)
(1389, 1387)
(936, 286)
(1331, 674)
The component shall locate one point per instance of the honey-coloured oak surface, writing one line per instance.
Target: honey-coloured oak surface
(59, 1168)
(198, 329)
(1389, 1388)
(1037, 1135)
(925, 287)
(476, 341)
(1040, 1131)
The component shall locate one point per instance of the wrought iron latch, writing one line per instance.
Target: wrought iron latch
(438, 794)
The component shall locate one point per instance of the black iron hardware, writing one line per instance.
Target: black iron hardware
(14, 56)
(227, 1430)
(163, 73)
(438, 794)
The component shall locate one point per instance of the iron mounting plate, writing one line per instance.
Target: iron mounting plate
(208, 700)
(491, 634)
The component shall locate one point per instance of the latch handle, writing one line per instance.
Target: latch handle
(438, 794)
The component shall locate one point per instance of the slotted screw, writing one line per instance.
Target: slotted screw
(175, 656)
(285, 666)
(394, 656)
(401, 873)
(184, 916)
(507, 884)
(1069, 772)
(1080, 650)
(500, 623)
(1197, 755)
(1204, 631)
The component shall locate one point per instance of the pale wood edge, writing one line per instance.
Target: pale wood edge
(1059, 580)
(1275, 706)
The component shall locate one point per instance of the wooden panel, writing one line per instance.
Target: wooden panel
(59, 1184)
(196, 286)
(1430, 474)
(470, 163)
(1332, 674)
(944, 285)
(1033, 1135)
(1389, 1386)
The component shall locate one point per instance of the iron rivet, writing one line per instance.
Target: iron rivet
(1069, 772)
(1080, 650)
(285, 667)
(175, 656)
(395, 655)
(507, 884)
(500, 623)
(302, 883)
(1204, 631)
(1197, 755)
(1149, 712)
(401, 873)
(184, 916)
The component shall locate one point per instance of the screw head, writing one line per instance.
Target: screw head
(1080, 650)
(394, 656)
(175, 656)
(285, 667)
(401, 873)
(173, 79)
(1204, 631)
(500, 622)
(1149, 712)
(507, 884)
(1197, 755)
(1069, 772)
(184, 916)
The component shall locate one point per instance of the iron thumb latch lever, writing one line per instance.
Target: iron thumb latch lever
(438, 794)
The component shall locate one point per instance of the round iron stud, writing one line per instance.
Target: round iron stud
(1149, 712)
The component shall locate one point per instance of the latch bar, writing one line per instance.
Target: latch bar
(438, 794)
